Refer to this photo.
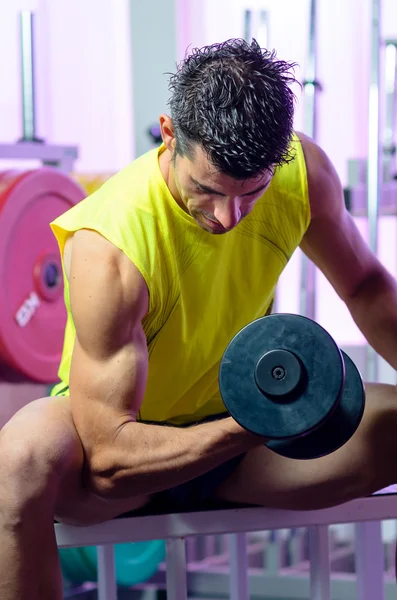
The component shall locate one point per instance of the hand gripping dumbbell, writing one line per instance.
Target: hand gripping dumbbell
(283, 377)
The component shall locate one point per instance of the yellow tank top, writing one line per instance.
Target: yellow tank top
(203, 288)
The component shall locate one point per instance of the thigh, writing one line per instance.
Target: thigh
(365, 464)
(46, 427)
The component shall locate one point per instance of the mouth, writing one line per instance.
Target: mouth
(214, 225)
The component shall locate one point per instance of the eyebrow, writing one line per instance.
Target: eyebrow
(205, 188)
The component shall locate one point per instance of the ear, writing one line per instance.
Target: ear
(167, 132)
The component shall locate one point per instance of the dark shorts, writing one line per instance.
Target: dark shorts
(193, 495)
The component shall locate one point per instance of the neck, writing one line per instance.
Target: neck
(167, 171)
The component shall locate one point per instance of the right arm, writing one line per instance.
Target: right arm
(109, 299)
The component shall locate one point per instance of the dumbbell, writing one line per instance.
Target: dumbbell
(283, 377)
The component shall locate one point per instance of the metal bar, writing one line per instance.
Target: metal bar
(370, 561)
(248, 25)
(262, 33)
(27, 73)
(390, 136)
(256, 25)
(296, 546)
(273, 550)
(307, 306)
(107, 586)
(63, 157)
(375, 157)
(238, 582)
(176, 569)
(236, 520)
(310, 84)
(210, 544)
(320, 574)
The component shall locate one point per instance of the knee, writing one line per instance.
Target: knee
(28, 474)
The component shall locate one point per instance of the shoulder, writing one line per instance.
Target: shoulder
(99, 272)
(325, 190)
(324, 186)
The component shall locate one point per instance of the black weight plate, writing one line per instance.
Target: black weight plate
(337, 429)
(262, 414)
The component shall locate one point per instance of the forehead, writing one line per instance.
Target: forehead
(200, 168)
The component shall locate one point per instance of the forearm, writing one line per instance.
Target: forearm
(374, 310)
(145, 459)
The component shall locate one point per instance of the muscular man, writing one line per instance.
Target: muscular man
(163, 265)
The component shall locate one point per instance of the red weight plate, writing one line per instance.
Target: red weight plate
(32, 310)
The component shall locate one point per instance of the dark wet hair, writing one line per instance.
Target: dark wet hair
(234, 100)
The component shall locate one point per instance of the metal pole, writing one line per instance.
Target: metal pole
(176, 569)
(107, 586)
(238, 581)
(256, 25)
(390, 139)
(27, 73)
(311, 88)
(375, 150)
(370, 559)
(311, 85)
(320, 571)
(262, 34)
(248, 25)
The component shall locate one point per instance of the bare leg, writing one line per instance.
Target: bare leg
(40, 475)
(367, 463)
(28, 552)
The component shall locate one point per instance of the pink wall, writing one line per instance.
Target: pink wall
(343, 56)
(84, 93)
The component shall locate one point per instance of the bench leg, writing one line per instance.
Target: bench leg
(320, 573)
(107, 586)
(370, 561)
(239, 585)
(176, 569)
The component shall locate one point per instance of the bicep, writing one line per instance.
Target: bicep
(109, 363)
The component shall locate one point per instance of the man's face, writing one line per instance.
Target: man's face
(216, 201)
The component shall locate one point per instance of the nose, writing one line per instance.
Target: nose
(228, 214)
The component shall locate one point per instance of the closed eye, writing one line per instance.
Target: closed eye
(204, 190)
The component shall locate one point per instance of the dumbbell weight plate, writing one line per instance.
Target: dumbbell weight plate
(244, 376)
(32, 314)
(337, 429)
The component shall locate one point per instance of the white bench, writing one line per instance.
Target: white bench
(367, 513)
